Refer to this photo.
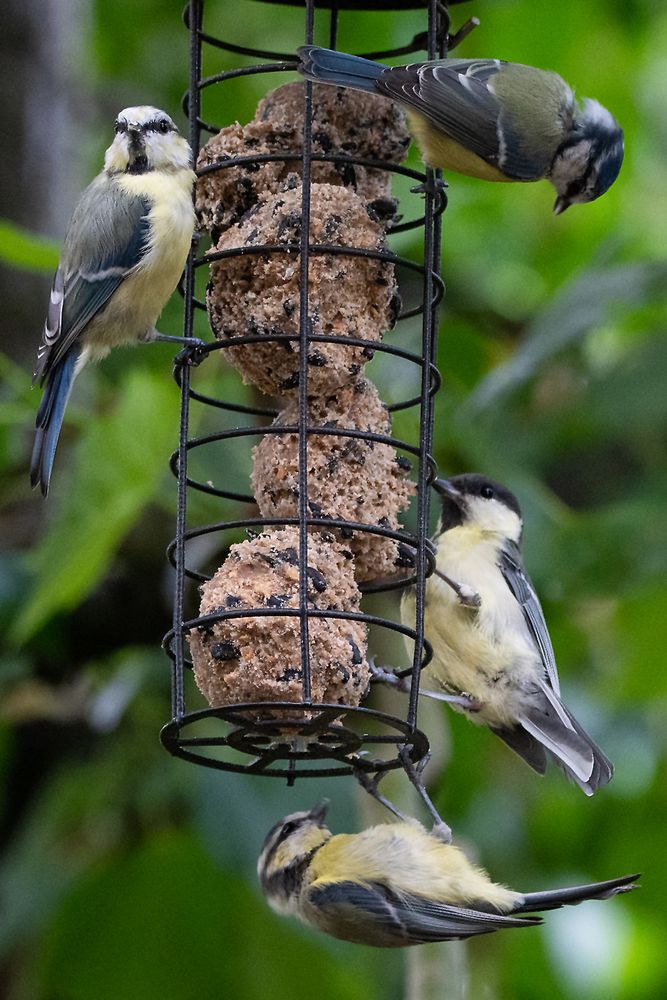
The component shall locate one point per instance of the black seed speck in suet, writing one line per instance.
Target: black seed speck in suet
(225, 651)
(317, 579)
(289, 307)
(405, 556)
(317, 360)
(290, 383)
(232, 601)
(290, 224)
(290, 674)
(346, 532)
(403, 463)
(395, 304)
(290, 556)
(277, 600)
(322, 140)
(356, 652)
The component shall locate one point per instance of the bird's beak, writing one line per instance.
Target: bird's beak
(318, 813)
(561, 204)
(445, 489)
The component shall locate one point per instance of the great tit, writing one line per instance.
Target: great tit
(489, 637)
(124, 252)
(395, 885)
(495, 120)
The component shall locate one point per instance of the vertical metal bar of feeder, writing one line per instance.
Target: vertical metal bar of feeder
(195, 14)
(333, 24)
(304, 322)
(429, 331)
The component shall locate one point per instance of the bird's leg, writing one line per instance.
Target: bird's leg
(463, 32)
(153, 335)
(441, 830)
(465, 700)
(403, 684)
(370, 785)
(432, 185)
(388, 676)
(468, 597)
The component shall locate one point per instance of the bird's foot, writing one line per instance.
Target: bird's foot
(441, 830)
(432, 185)
(387, 676)
(468, 597)
(192, 354)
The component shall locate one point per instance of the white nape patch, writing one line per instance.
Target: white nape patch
(589, 945)
(570, 164)
(494, 517)
(595, 113)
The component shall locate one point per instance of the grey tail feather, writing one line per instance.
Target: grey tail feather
(50, 419)
(338, 68)
(574, 751)
(526, 746)
(553, 898)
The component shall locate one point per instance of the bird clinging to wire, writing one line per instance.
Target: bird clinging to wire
(395, 885)
(490, 641)
(495, 120)
(124, 252)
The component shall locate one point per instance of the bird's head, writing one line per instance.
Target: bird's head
(588, 162)
(476, 501)
(286, 853)
(146, 139)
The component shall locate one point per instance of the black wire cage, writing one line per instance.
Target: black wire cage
(304, 738)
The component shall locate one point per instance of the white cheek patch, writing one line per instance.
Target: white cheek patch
(494, 516)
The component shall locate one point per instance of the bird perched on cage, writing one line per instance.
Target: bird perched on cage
(491, 647)
(395, 885)
(124, 252)
(495, 120)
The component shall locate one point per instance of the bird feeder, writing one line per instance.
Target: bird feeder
(304, 286)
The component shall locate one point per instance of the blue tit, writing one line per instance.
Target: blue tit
(123, 255)
(491, 119)
(490, 641)
(395, 885)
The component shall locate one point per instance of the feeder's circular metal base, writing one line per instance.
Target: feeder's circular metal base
(296, 733)
(361, 4)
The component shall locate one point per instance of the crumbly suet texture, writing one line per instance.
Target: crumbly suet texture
(348, 478)
(345, 122)
(258, 294)
(259, 659)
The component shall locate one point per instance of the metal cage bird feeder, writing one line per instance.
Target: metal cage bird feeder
(324, 739)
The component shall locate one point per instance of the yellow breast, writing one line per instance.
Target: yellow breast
(438, 150)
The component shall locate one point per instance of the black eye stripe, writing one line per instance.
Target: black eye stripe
(158, 125)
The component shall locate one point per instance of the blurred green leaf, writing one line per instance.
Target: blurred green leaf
(120, 459)
(165, 921)
(25, 250)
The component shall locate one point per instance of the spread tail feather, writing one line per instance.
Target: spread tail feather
(553, 898)
(338, 68)
(50, 419)
(555, 728)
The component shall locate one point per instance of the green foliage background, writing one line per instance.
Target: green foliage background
(128, 874)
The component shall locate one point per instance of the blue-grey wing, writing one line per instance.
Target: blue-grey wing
(107, 237)
(511, 567)
(455, 96)
(458, 96)
(373, 914)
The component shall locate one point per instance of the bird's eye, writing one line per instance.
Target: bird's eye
(486, 492)
(164, 126)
